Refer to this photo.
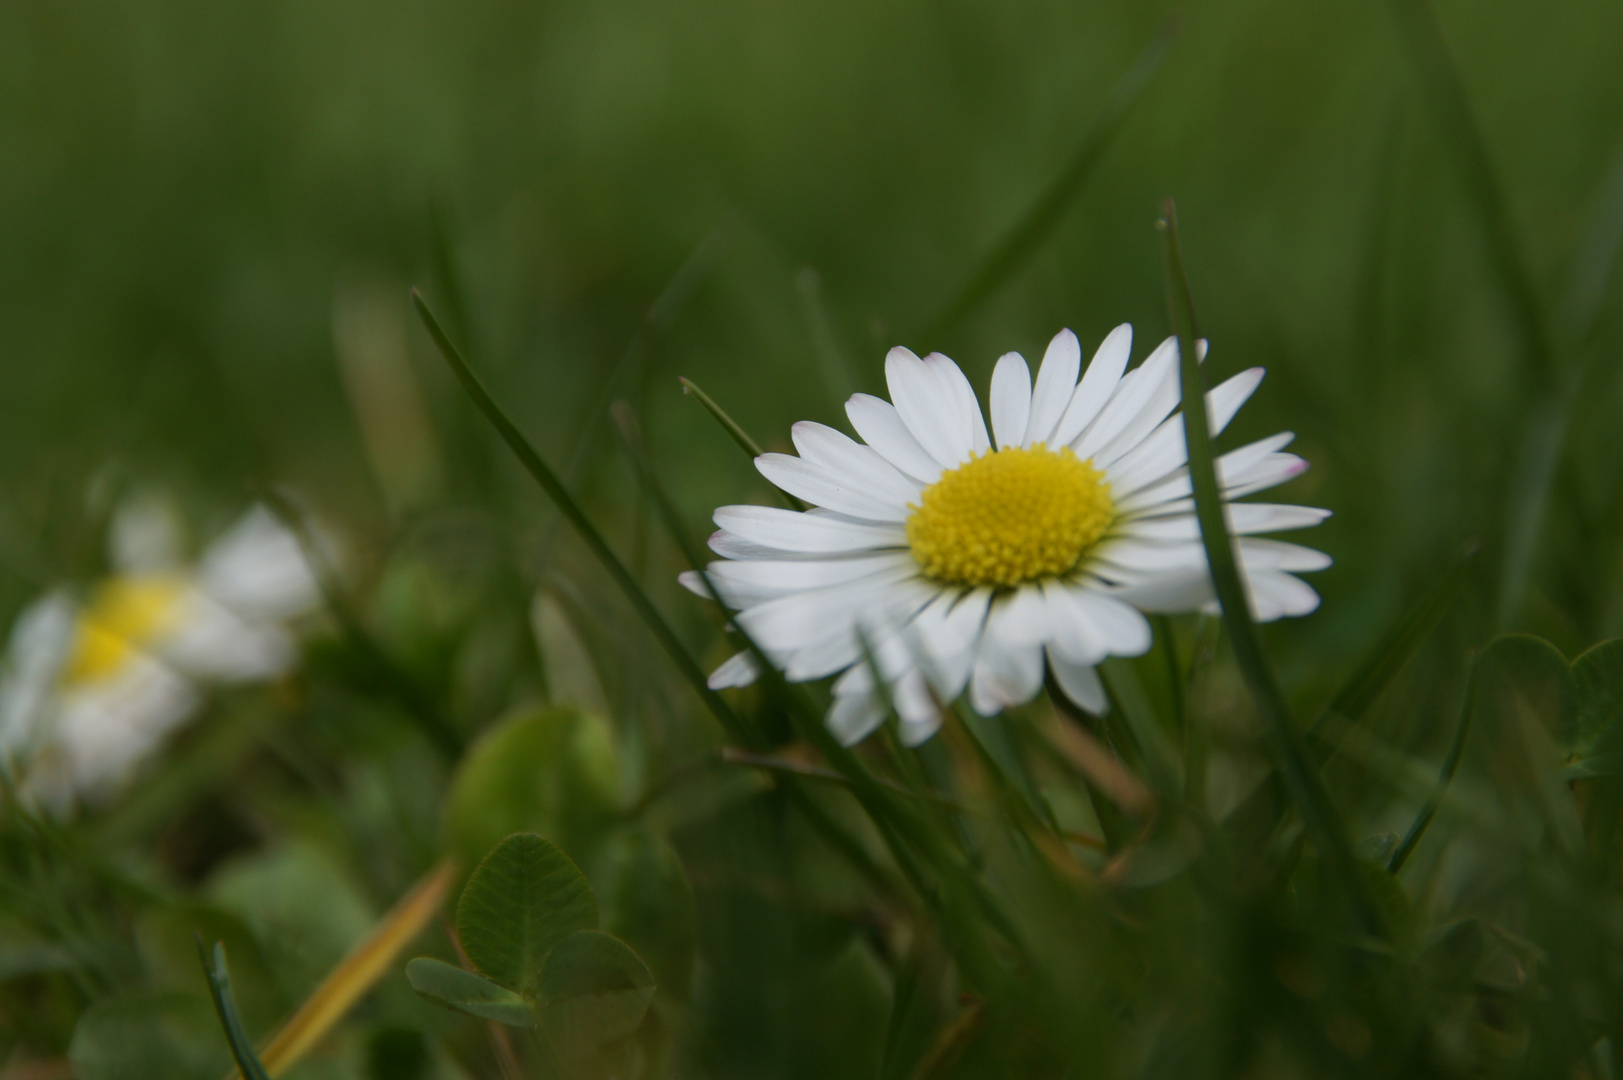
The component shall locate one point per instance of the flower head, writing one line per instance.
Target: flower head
(91, 686)
(954, 562)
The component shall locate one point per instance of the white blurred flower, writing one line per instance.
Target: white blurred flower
(90, 688)
(962, 562)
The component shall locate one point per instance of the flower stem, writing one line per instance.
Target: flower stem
(1284, 739)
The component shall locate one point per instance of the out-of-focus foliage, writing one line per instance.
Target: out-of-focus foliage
(209, 219)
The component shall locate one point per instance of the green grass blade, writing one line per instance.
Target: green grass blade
(394, 680)
(1538, 456)
(669, 304)
(1445, 89)
(1022, 241)
(1284, 739)
(559, 494)
(831, 357)
(1451, 764)
(1393, 652)
(904, 832)
(734, 429)
(1594, 265)
(444, 267)
(226, 1006)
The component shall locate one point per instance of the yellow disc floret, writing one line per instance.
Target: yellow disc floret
(124, 617)
(1010, 516)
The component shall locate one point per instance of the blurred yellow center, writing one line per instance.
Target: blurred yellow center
(124, 617)
(1010, 516)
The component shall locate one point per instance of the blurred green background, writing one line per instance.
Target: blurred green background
(187, 191)
(210, 216)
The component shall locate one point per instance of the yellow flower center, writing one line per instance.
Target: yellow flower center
(125, 616)
(1010, 516)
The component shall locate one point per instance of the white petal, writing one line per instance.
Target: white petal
(1243, 519)
(735, 596)
(1080, 683)
(41, 643)
(1271, 471)
(1276, 596)
(822, 487)
(918, 734)
(1258, 554)
(1140, 557)
(106, 728)
(854, 717)
(1011, 400)
(732, 546)
(849, 459)
(1171, 593)
(929, 409)
(739, 670)
(1007, 673)
(915, 706)
(797, 620)
(945, 635)
(968, 406)
(822, 659)
(1089, 625)
(259, 570)
(1023, 618)
(1097, 385)
(811, 533)
(1136, 390)
(1162, 401)
(212, 641)
(1225, 400)
(881, 427)
(1164, 450)
(145, 536)
(789, 576)
(1056, 383)
(1236, 470)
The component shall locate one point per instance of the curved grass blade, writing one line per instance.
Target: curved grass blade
(831, 357)
(1538, 456)
(1451, 764)
(1284, 739)
(669, 304)
(1392, 652)
(901, 830)
(359, 971)
(226, 1006)
(1040, 219)
(1441, 79)
(560, 496)
(735, 429)
(392, 678)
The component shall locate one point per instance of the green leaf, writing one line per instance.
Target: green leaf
(523, 899)
(450, 986)
(553, 771)
(1394, 649)
(1525, 714)
(648, 903)
(594, 991)
(1525, 677)
(1597, 678)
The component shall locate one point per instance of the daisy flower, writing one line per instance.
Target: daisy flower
(959, 557)
(92, 687)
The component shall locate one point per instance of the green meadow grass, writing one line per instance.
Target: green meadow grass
(1381, 840)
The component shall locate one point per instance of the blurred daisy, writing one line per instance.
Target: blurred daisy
(91, 688)
(960, 558)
